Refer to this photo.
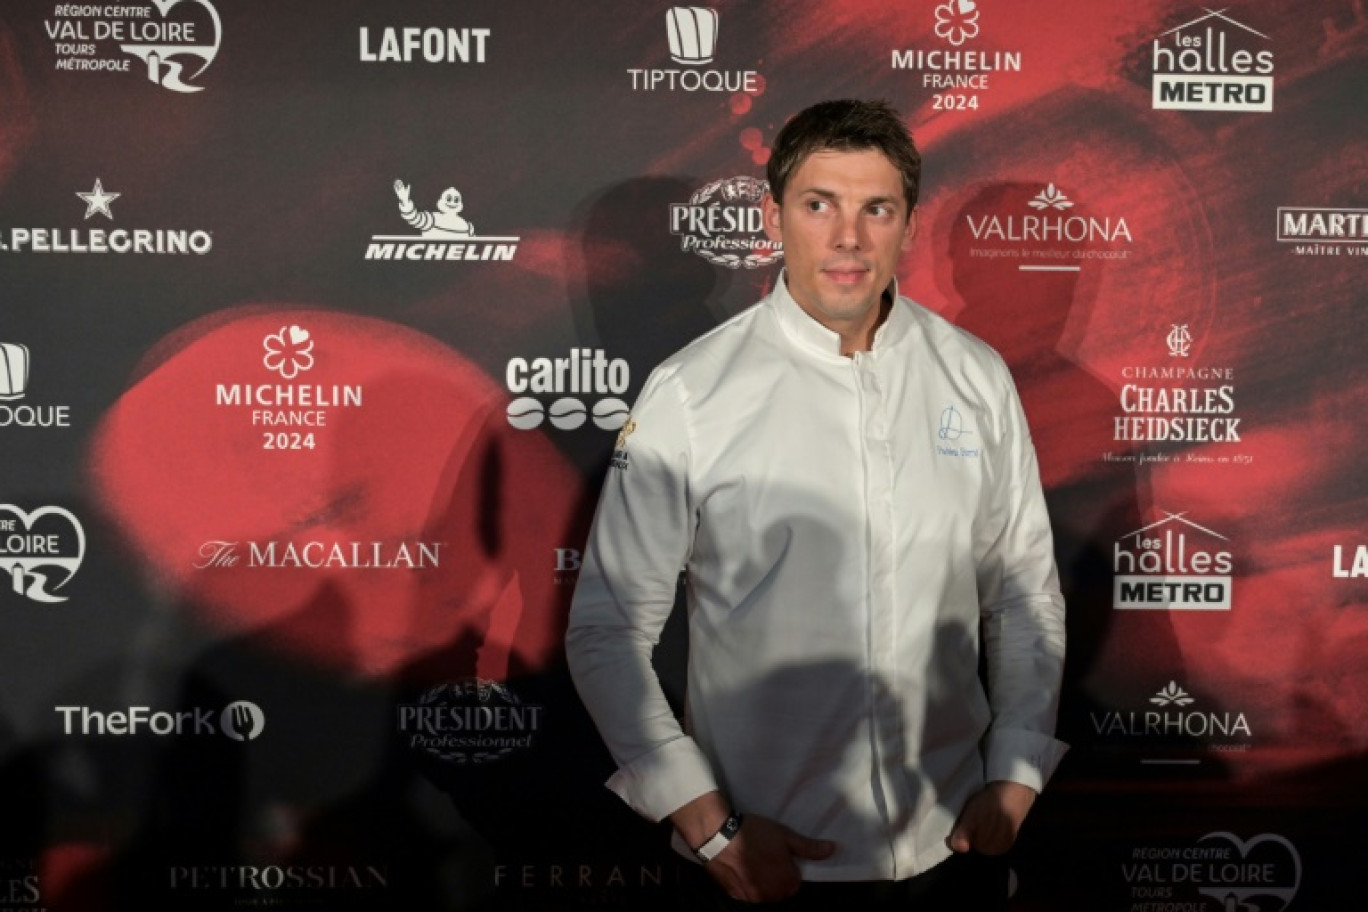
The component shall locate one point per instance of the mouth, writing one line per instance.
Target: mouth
(846, 274)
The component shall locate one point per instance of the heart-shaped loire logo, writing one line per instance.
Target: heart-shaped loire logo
(40, 551)
(1265, 866)
(298, 336)
(966, 6)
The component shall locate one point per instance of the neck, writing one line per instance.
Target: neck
(861, 338)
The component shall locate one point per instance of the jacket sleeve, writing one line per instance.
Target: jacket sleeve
(1021, 609)
(638, 545)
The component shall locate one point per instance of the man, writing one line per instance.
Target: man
(849, 486)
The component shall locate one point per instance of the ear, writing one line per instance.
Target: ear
(910, 231)
(769, 209)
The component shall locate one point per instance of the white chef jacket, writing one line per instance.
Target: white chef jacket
(844, 525)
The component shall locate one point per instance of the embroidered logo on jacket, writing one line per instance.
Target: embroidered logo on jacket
(620, 459)
(950, 432)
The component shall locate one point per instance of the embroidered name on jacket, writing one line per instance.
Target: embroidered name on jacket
(953, 438)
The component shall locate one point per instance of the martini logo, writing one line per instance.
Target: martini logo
(959, 77)
(433, 45)
(238, 721)
(275, 407)
(1048, 237)
(170, 42)
(691, 32)
(1219, 871)
(470, 722)
(98, 201)
(14, 384)
(1174, 714)
(724, 224)
(1172, 564)
(1213, 63)
(588, 372)
(40, 551)
(1324, 232)
(1195, 405)
(444, 233)
(1346, 567)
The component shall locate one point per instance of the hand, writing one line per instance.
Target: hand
(401, 190)
(759, 865)
(991, 818)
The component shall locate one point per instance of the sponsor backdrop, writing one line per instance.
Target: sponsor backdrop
(320, 321)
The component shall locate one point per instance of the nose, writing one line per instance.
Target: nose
(848, 232)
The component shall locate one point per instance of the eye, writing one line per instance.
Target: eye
(817, 204)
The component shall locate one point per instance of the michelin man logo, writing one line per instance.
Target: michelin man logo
(443, 233)
(446, 222)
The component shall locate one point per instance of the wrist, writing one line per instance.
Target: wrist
(699, 819)
(719, 840)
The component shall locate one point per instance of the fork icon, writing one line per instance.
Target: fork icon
(241, 721)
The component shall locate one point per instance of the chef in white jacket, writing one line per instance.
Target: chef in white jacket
(848, 485)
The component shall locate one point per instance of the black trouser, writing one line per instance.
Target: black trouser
(961, 883)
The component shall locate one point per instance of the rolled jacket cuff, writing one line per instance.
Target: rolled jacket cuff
(1018, 755)
(659, 783)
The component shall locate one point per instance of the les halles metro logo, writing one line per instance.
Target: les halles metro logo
(1172, 564)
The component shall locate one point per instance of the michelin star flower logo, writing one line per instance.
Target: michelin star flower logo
(289, 351)
(957, 21)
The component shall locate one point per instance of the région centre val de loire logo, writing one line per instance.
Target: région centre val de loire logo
(171, 41)
(40, 551)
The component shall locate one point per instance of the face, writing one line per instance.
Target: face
(449, 201)
(844, 223)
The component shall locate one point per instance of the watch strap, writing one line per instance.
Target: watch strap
(714, 846)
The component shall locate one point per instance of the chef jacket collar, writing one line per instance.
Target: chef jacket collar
(807, 333)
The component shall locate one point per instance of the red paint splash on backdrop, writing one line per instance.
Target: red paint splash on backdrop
(426, 459)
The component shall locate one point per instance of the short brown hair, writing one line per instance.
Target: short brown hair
(847, 125)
